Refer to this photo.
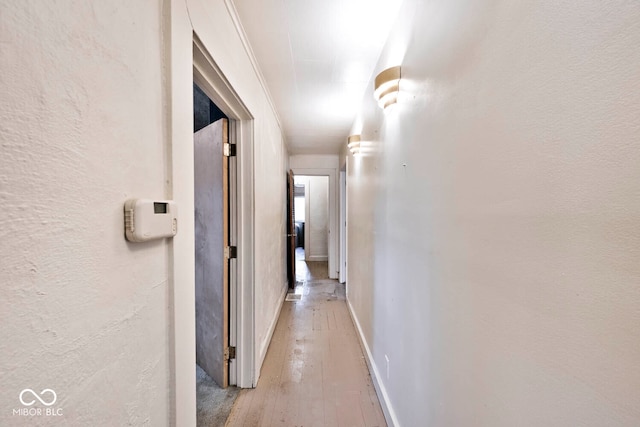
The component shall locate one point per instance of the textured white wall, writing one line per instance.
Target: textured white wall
(270, 224)
(84, 125)
(83, 312)
(493, 224)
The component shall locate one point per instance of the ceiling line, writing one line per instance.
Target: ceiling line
(231, 7)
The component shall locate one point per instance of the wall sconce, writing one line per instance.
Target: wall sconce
(387, 85)
(353, 142)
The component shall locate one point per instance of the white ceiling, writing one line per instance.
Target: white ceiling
(316, 57)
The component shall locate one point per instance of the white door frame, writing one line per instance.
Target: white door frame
(333, 213)
(343, 227)
(211, 80)
(189, 61)
(307, 219)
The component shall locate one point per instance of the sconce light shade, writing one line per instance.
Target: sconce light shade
(387, 85)
(353, 142)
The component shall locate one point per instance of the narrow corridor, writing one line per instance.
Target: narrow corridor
(314, 373)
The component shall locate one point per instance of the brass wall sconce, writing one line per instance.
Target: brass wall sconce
(387, 86)
(353, 142)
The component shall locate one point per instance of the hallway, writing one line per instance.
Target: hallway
(483, 204)
(314, 373)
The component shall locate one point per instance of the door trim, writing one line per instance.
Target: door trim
(291, 232)
(185, 53)
(211, 80)
(334, 246)
(342, 270)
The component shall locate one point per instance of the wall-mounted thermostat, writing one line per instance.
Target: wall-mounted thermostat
(146, 219)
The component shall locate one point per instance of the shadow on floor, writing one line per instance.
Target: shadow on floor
(214, 403)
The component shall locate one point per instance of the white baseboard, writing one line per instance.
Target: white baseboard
(270, 331)
(381, 391)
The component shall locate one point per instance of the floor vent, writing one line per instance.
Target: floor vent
(293, 297)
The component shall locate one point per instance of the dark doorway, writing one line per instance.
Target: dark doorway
(205, 111)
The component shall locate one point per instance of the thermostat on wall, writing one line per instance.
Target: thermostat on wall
(146, 219)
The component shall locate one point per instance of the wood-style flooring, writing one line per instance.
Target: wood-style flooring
(314, 373)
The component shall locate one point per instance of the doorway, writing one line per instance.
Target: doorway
(192, 63)
(311, 219)
(342, 273)
(211, 220)
(209, 78)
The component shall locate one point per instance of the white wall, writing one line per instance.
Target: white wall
(96, 109)
(270, 203)
(493, 225)
(83, 312)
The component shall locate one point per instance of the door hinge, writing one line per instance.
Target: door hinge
(229, 353)
(231, 252)
(229, 149)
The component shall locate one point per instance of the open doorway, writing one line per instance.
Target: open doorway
(211, 219)
(342, 272)
(210, 79)
(212, 236)
(200, 68)
(311, 212)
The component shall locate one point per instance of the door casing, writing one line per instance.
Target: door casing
(190, 62)
(334, 246)
(210, 79)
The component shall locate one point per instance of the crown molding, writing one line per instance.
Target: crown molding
(233, 13)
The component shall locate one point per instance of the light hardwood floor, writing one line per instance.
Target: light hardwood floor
(314, 373)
